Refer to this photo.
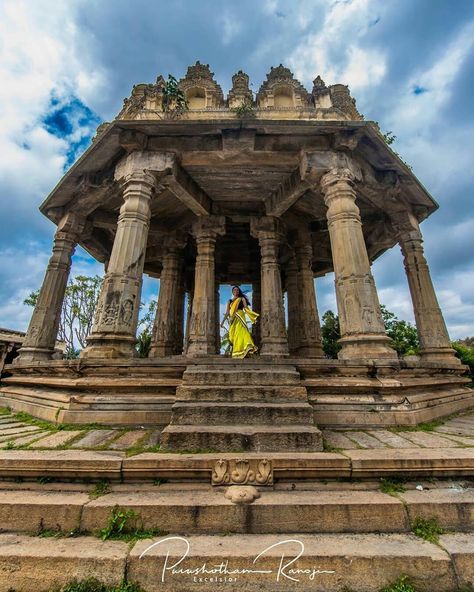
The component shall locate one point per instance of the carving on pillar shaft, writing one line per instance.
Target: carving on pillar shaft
(116, 317)
(362, 328)
(435, 344)
(40, 339)
(166, 326)
(202, 329)
(269, 232)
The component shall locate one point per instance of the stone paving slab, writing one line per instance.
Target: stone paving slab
(94, 438)
(461, 439)
(19, 440)
(36, 432)
(391, 439)
(365, 440)
(429, 440)
(127, 440)
(338, 440)
(56, 439)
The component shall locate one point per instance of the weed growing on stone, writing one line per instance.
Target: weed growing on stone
(94, 585)
(427, 529)
(401, 585)
(102, 487)
(391, 486)
(119, 528)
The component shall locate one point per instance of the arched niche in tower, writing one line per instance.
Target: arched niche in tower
(283, 96)
(196, 97)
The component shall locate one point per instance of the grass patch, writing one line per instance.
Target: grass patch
(55, 427)
(126, 525)
(427, 529)
(428, 426)
(9, 445)
(5, 410)
(94, 585)
(391, 486)
(401, 585)
(329, 447)
(159, 481)
(102, 487)
(44, 479)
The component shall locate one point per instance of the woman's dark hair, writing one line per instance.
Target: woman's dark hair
(242, 294)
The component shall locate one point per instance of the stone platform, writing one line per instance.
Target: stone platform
(139, 392)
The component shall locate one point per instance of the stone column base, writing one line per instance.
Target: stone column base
(366, 346)
(30, 354)
(107, 347)
(440, 354)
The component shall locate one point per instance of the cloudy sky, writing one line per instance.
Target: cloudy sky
(65, 66)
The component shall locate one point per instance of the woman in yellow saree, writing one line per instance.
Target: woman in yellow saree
(238, 308)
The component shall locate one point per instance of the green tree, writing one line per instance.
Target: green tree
(404, 335)
(173, 100)
(330, 333)
(466, 354)
(77, 314)
(145, 325)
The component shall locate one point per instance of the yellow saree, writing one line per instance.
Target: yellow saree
(239, 335)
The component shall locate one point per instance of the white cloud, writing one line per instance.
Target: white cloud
(343, 28)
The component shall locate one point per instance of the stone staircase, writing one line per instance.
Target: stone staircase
(332, 537)
(242, 407)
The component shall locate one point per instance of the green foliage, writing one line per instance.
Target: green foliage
(427, 529)
(94, 585)
(145, 325)
(245, 109)
(466, 354)
(330, 333)
(102, 487)
(173, 100)
(401, 585)
(389, 137)
(226, 343)
(404, 335)
(428, 426)
(122, 525)
(391, 486)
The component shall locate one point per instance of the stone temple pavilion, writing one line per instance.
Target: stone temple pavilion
(274, 191)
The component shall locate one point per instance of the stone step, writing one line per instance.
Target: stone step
(241, 437)
(242, 376)
(194, 508)
(241, 393)
(267, 563)
(242, 413)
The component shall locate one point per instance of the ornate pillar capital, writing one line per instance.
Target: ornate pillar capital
(267, 227)
(336, 179)
(208, 227)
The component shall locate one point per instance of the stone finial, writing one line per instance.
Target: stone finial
(280, 82)
(240, 92)
(242, 494)
(143, 96)
(341, 99)
(200, 78)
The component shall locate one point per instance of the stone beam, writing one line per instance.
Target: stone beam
(311, 167)
(188, 191)
(170, 174)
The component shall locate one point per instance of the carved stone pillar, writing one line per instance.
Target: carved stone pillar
(362, 328)
(269, 232)
(116, 317)
(256, 306)
(179, 344)
(293, 305)
(202, 330)
(40, 339)
(435, 344)
(308, 328)
(165, 327)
